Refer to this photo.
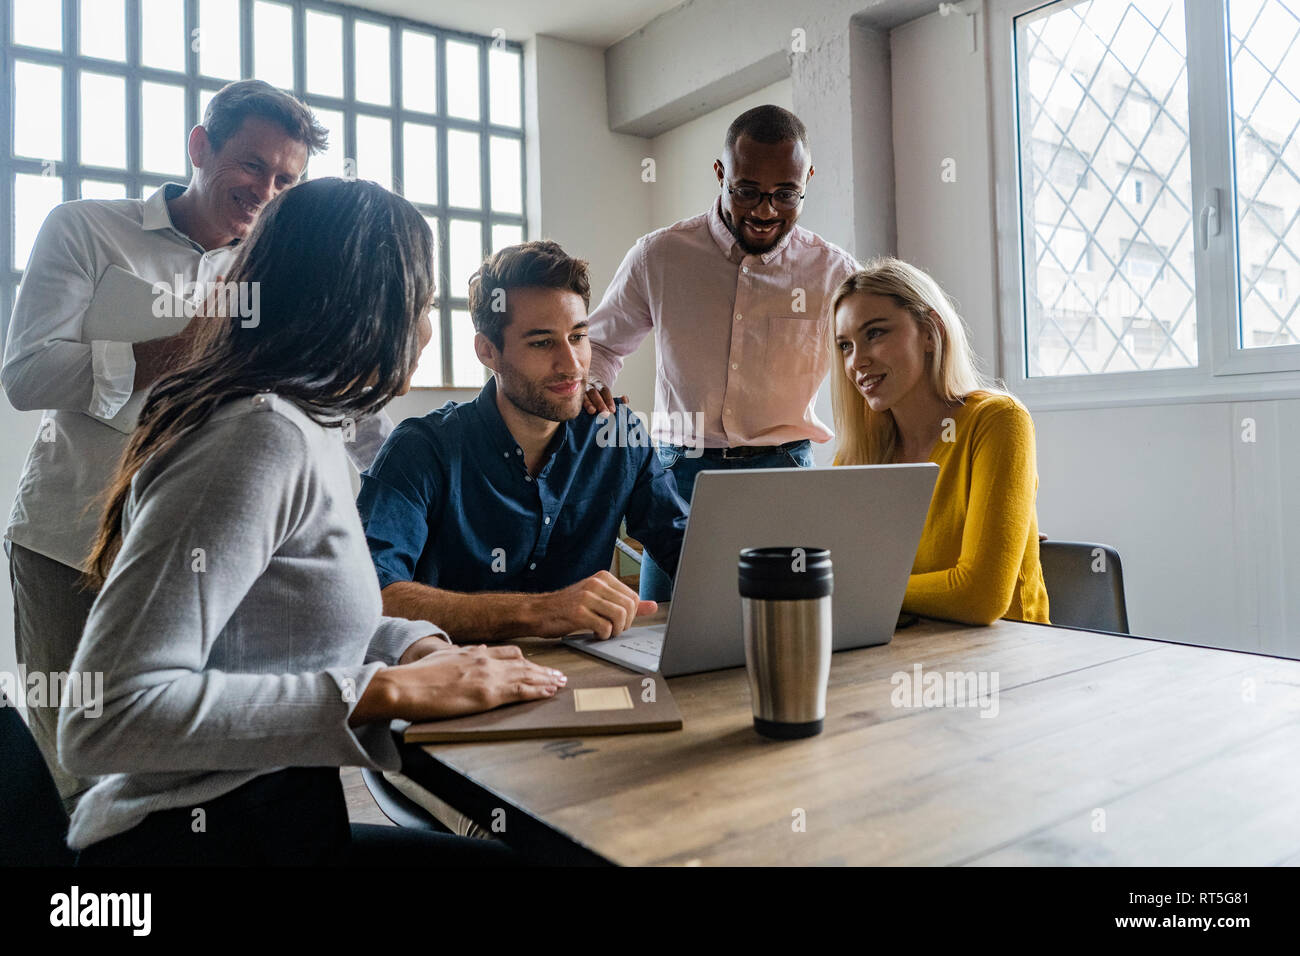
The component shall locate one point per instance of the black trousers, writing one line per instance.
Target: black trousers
(293, 817)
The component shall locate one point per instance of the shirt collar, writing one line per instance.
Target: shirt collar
(499, 435)
(727, 242)
(156, 215)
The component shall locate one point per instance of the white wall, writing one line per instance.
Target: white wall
(1207, 525)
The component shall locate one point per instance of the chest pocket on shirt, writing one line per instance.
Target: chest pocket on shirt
(794, 344)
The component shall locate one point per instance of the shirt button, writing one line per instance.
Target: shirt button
(745, 269)
(528, 477)
(519, 451)
(505, 454)
(734, 365)
(739, 316)
(546, 520)
(533, 566)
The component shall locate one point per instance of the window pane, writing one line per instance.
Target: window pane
(329, 162)
(162, 127)
(1102, 101)
(205, 97)
(163, 40)
(504, 235)
(34, 197)
(419, 71)
(219, 38)
(466, 370)
(103, 120)
(466, 247)
(101, 189)
(463, 169)
(375, 150)
(273, 44)
(428, 374)
(38, 113)
(103, 29)
(507, 173)
(503, 87)
(38, 23)
(462, 80)
(324, 53)
(1266, 116)
(420, 162)
(374, 84)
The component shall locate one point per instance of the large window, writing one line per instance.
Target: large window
(100, 94)
(1156, 160)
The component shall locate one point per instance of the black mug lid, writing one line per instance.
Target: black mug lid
(785, 574)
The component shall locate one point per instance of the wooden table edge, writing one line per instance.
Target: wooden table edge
(552, 846)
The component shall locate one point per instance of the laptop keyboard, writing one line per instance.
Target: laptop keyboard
(638, 645)
(645, 643)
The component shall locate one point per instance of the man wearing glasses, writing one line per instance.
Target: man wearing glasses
(736, 298)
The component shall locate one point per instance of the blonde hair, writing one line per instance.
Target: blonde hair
(871, 438)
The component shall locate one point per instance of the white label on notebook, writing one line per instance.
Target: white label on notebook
(602, 698)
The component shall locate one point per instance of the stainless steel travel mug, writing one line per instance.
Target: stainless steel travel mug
(785, 600)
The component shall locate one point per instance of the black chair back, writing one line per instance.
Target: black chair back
(33, 825)
(1085, 585)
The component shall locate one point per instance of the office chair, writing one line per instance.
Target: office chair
(1079, 596)
(397, 806)
(33, 824)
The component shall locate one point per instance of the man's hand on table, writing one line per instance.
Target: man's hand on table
(601, 604)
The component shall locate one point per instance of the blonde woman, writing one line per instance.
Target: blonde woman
(907, 390)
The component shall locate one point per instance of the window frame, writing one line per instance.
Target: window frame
(140, 183)
(1224, 371)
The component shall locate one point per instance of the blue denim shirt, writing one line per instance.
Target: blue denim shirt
(448, 501)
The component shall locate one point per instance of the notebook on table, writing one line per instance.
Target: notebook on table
(604, 701)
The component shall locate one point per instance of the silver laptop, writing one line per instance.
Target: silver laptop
(869, 516)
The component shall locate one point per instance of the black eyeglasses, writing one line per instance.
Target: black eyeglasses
(746, 197)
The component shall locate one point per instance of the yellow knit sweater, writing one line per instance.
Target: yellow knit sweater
(978, 556)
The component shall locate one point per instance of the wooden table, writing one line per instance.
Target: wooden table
(1104, 750)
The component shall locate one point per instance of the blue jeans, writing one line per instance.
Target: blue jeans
(655, 584)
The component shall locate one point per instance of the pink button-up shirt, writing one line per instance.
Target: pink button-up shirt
(744, 341)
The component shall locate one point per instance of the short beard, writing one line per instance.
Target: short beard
(532, 398)
(744, 243)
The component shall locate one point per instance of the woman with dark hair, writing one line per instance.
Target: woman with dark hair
(238, 627)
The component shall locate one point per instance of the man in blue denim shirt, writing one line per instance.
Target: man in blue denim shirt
(496, 518)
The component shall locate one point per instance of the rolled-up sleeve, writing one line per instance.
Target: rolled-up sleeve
(623, 318)
(113, 367)
(399, 503)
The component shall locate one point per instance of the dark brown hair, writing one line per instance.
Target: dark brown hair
(235, 102)
(344, 272)
(537, 264)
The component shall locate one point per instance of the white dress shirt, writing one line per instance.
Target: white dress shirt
(48, 365)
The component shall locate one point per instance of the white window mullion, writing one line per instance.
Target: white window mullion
(1212, 181)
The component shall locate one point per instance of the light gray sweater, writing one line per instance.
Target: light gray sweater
(238, 626)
